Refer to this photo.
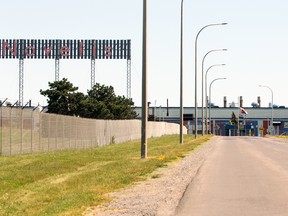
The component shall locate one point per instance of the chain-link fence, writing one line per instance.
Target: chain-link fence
(26, 131)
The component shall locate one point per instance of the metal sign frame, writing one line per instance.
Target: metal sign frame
(65, 49)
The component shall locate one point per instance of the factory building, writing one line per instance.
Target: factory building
(229, 120)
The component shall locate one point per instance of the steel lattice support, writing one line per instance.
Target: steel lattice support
(92, 73)
(21, 81)
(128, 78)
(57, 69)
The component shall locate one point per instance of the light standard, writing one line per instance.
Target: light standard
(203, 85)
(181, 75)
(196, 114)
(144, 84)
(211, 100)
(271, 123)
(206, 94)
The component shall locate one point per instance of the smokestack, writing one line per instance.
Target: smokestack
(167, 114)
(241, 101)
(259, 101)
(225, 101)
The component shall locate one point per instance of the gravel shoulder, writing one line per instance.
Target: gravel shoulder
(157, 196)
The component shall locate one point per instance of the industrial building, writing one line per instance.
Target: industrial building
(255, 121)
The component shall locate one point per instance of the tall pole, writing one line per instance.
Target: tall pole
(57, 69)
(203, 132)
(181, 75)
(144, 85)
(93, 69)
(210, 99)
(238, 123)
(21, 81)
(129, 78)
(272, 114)
(196, 112)
(206, 94)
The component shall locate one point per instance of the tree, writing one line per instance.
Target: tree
(234, 120)
(100, 102)
(103, 103)
(63, 98)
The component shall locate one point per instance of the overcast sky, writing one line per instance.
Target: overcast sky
(256, 39)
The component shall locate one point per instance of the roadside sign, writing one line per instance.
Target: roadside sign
(271, 129)
(261, 128)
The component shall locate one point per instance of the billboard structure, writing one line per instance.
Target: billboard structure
(66, 49)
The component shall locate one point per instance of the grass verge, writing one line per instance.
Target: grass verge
(282, 136)
(67, 182)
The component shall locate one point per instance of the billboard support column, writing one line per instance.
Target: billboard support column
(21, 81)
(57, 69)
(92, 72)
(128, 78)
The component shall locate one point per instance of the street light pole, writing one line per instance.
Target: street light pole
(203, 85)
(181, 75)
(206, 94)
(272, 114)
(144, 85)
(211, 100)
(196, 112)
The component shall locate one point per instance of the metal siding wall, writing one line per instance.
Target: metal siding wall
(121, 49)
(24, 44)
(125, 49)
(76, 49)
(129, 50)
(114, 49)
(118, 49)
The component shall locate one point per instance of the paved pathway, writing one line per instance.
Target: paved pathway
(242, 176)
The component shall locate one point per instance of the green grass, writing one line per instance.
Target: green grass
(282, 136)
(67, 182)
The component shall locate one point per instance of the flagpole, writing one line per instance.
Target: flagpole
(238, 129)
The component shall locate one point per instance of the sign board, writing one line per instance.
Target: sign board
(270, 128)
(261, 128)
(64, 49)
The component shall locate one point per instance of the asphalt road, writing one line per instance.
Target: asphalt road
(241, 176)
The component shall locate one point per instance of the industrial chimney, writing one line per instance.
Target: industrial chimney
(259, 101)
(225, 101)
(241, 101)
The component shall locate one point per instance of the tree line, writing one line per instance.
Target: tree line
(100, 102)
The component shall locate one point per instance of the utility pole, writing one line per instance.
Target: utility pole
(144, 85)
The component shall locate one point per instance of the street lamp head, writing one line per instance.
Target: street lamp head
(224, 23)
(224, 49)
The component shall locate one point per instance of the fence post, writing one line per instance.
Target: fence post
(32, 122)
(21, 131)
(1, 131)
(56, 132)
(40, 125)
(49, 123)
(31, 141)
(1, 126)
(10, 132)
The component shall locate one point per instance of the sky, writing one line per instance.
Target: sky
(255, 39)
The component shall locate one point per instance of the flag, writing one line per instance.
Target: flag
(243, 111)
